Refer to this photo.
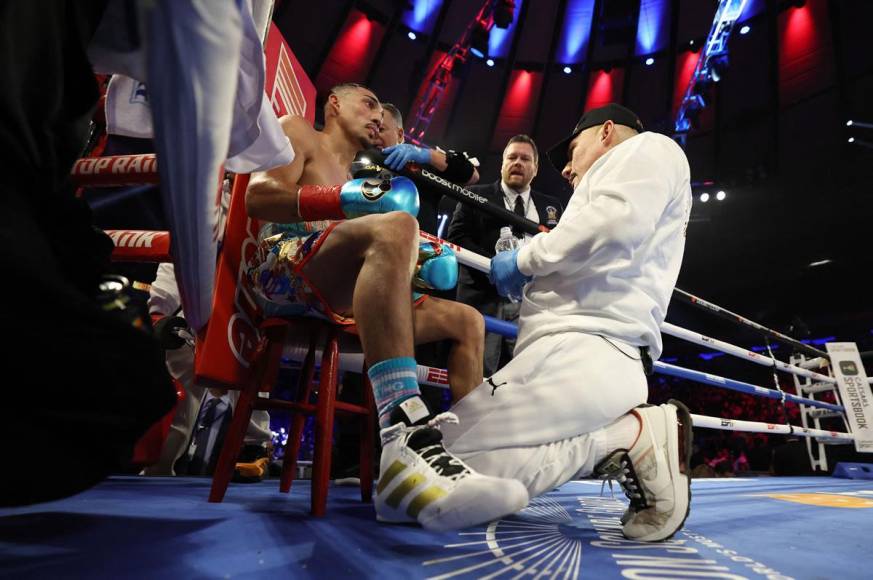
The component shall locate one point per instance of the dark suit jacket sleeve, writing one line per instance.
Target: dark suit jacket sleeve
(465, 228)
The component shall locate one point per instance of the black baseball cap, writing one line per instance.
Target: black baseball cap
(611, 112)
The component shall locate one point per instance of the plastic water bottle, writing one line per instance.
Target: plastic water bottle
(505, 243)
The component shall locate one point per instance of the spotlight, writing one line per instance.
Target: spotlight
(567, 70)
(490, 62)
(851, 139)
(650, 61)
(704, 197)
(479, 39)
(745, 29)
(411, 35)
(849, 123)
(720, 195)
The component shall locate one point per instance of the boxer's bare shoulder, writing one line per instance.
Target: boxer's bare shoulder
(272, 195)
(320, 166)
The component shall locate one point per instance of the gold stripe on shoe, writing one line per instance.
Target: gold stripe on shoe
(390, 474)
(424, 499)
(403, 488)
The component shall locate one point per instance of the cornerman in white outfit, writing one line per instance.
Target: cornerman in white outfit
(595, 292)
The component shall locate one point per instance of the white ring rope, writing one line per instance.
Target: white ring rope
(740, 352)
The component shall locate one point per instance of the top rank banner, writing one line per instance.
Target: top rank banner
(854, 391)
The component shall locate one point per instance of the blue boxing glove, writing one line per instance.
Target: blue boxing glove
(357, 197)
(506, 276)
(400, 155)
(437, 267)
(373, 195)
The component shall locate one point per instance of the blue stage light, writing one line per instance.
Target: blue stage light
(650, 61)
(422, 16)
(577, 30)
(652, 24)
(411, 35)
(499, 41)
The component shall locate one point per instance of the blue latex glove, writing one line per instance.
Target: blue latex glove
(506, 276)
(400, 155)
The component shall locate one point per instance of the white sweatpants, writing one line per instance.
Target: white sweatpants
(540, 419)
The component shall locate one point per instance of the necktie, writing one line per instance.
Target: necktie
(199, 461)
(519, 209)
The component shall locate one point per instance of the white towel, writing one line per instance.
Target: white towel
(127, 108)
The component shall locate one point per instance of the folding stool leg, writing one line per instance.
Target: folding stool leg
(298, 420)
(324, 422)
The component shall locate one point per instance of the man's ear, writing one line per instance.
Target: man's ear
(401, 135)
(608, 132)
(333, 102)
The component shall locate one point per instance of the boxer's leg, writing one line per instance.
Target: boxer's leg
(364, 266)
(438, 319)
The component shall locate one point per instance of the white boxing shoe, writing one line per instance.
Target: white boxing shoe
(654, 473)
(421, 482)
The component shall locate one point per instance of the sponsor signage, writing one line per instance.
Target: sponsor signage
(854, 392)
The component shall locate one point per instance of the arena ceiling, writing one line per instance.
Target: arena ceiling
(773, 135)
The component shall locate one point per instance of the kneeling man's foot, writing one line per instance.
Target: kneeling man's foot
(654, 473)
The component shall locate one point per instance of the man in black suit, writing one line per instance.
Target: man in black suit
(478, 232)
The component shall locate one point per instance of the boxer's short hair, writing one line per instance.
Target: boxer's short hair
(345, 87)
(525, 139)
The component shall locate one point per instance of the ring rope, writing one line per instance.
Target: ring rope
(743, 321)
(739, 386)
(740, 352)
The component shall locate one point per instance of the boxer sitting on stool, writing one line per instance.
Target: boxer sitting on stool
(363, 268)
